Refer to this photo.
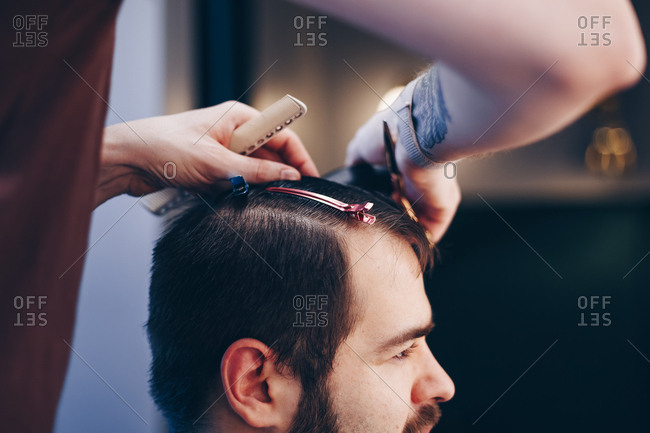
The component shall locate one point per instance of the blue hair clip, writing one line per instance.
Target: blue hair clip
(239, 186)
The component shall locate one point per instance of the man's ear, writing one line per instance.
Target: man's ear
(257, 390)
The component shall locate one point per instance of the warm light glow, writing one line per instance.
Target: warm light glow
(389, 97)
(611, 153)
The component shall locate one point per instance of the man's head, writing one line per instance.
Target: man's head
(279, 313)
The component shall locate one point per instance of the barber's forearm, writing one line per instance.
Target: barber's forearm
(454, 118)
(502, 46)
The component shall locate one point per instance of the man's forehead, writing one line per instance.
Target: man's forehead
(386, 279)
(378, 248)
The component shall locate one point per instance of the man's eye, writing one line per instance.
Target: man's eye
(405, 353)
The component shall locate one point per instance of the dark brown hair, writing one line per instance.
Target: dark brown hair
(231, 268)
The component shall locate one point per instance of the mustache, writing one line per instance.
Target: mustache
(426, 416)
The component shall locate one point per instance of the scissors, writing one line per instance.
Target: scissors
(398, 181)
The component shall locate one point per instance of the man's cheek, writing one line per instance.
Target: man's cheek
(395, 392)
(398, 378)
(388, 399)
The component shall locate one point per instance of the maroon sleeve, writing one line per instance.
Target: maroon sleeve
(54, 72)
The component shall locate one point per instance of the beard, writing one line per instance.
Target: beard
(315, 412)
(426, 416)
(316, 415)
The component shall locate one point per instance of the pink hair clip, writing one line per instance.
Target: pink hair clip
(356, 211)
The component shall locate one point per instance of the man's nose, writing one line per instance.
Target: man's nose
(433, 383)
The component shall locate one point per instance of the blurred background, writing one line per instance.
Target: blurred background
(541, 291)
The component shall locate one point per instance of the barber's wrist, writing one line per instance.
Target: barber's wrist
(423, 118)
(406, 164)
(116, 172)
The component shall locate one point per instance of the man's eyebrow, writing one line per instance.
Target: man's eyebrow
(403, 337)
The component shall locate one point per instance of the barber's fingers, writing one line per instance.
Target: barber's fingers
(226, 117)
(438, 197)
(286, 144)
(257, 170)
(267, 154)
(289, 147)
(436, 220)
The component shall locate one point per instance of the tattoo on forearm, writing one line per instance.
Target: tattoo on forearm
(429, 111)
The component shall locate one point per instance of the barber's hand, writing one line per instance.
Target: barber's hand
(434, 196)
(190, 150)
(439, 196)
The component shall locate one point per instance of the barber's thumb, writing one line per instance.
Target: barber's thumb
(262, 170)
